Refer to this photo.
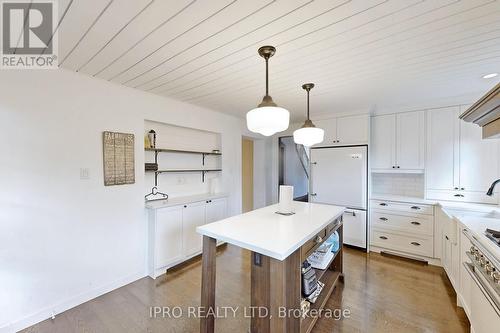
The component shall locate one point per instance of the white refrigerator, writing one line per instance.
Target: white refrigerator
(339, 176)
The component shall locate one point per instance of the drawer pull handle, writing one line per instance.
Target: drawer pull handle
(318, 239)
(415, 207)
(415, 243)
(383, 204)
(415, 223)
(353, 213)
(382, 237)
(446, 237)
(459, 195)
(383, 219)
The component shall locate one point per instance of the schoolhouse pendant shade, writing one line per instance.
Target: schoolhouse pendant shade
(308, 135)
(267, 118)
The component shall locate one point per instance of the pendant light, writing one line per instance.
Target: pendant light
(267, 118)
(308, 134)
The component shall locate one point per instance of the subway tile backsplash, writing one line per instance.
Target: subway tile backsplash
(398, 184)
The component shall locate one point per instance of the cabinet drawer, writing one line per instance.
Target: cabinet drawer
(313, 243)
(418, 224)
(403, 207)
(419, 245)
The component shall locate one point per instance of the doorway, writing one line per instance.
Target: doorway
(294, 167)
(246, 175)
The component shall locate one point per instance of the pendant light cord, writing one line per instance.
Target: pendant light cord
(267, 76)
(307, 104)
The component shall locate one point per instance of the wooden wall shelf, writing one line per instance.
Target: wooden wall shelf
(161, 150)
(202, 153)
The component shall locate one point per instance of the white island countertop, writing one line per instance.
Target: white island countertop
(274, 235)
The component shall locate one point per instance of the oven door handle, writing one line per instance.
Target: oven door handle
(490, 298)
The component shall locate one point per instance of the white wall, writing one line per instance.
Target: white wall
(64, 240)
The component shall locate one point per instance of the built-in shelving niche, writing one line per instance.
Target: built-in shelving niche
(182, 151)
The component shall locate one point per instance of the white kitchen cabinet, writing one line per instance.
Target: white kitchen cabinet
(442, 149)
(193, 215)
(354, 227)
(464, 292)
(403, 228)
(451, 250)
(398, 142)
(410, 140)
(478, 159)
(347, 130)
(353, 129)
(383, 143)
(172, 232)
(216, 210)
(166, 237)
(330, 127)
(460, 164)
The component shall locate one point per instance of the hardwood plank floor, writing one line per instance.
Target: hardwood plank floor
(383, 294)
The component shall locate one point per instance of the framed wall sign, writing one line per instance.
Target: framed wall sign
(118, 153)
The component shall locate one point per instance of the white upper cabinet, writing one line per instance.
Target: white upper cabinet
(478, 159)
(442, 148)
(398, 142)
(353, 129)
(460, 164)
(383, 144)
(410, 140)
(330, 128)
(344, 130)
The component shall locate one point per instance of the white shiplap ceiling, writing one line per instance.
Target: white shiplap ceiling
(361, 54)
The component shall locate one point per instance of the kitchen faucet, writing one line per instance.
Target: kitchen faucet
(492, 187)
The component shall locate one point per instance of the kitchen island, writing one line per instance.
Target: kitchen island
(279, 245)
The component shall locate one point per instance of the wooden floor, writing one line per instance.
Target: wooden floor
(383, 294)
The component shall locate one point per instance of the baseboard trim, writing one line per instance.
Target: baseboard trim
(430, 261)
(57, 308)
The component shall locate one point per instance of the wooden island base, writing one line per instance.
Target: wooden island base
(276, 286)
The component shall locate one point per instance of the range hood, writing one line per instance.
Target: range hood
(486, 113)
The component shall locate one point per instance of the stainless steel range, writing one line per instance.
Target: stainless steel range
(484, 272)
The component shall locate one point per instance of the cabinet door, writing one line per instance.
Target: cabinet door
(168, 236)
(355, 227)
(330, 128)
(410, 140)
(216, 210)
(478, 159)
(441, 170)
(353, 129)
(193, 215)
(465, 279)
(383, 142)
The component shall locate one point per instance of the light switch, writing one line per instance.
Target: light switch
(84, 173)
